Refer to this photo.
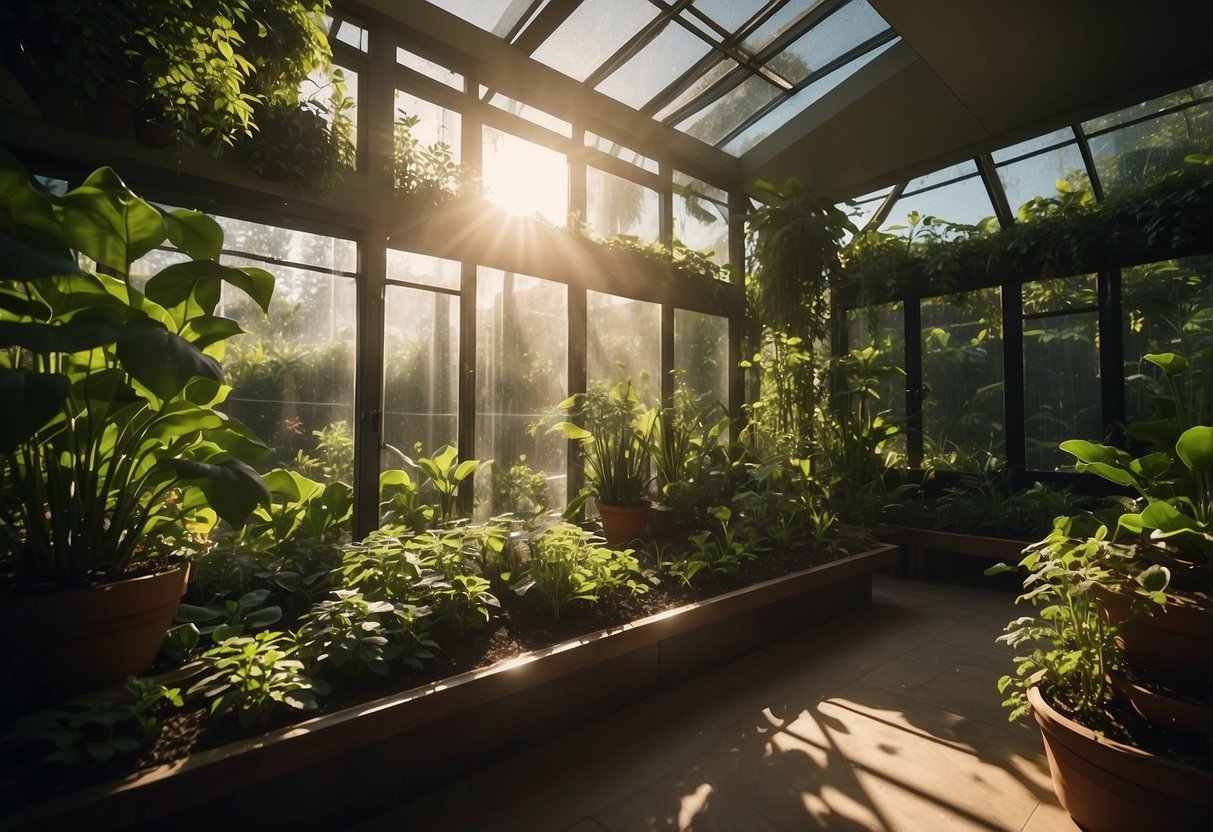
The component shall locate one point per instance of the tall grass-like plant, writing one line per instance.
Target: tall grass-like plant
(615, 434)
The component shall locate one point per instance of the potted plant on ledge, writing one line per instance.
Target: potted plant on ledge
(614, 435)
(1118, 663)
(112, 449)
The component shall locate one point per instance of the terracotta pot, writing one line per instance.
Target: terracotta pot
(622, 524)
(1108, 786)
(64, 643)
(1175, 640)
(1163, 710)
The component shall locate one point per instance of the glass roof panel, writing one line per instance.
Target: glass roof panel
(685, 181)
(531, 114)
(1145, 109)
(797, 103)
(1032, 145)
(701, 84)
(593, 33)
(722, 116)
(617, 150)
(779, 23)
(965, 202)
(648, 72)
(965, 168)
(496, 16)
(833, 37)
(730, 14)
(1038, 175)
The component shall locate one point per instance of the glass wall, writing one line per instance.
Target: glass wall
(1168, 307)
(701, 217)
(1061, 368)
(624, 344)
(701, 355)
(962, 381)
(619, 207)
(955, 195)
(521, 374)
(877, 345)
(420, 355)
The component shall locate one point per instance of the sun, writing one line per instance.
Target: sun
(525, 178)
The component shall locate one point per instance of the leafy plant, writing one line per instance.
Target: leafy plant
(114, 392)
(95, 728)
(349, 633)
(254, 676)
(307, 144)
(722, 551)
(428, 172)
(569, 564)
(614, 437)
(400, 502)
(226, 619)
(519, 489)
(445, 473)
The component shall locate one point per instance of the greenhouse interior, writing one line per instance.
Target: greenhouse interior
(606, 415)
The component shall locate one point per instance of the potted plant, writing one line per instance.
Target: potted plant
(113, 450)
(1119, 660)
(614, 436)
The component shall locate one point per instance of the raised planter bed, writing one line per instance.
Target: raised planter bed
(917, 545)
(336, 769)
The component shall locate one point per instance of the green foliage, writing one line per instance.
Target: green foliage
(1067, 646)
(614, 433)
(93, 729)
(519, 489)
(118, 388)
(308, 144)
(351, 634)
(428, 172)
(1069, 234)
(256, 676)
(445, 473)
(569, 564)
(400, 502)
(334, 455)
(720, 551)
(224, 619)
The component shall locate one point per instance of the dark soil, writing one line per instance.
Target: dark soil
(519, 626)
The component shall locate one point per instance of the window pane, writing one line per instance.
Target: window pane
(620, 152)
(288, 244)
(526, 178)
(1061, 392)
(724, 114)
(701, 354)
(1060, 294)
(593, 33)
(798, 102)
(1038, 175)
(882, 330)
(435, 123)
(1136, 155)
(1156, 105)
(496, 16)
(531, 114)
(833, 37)
(624, 343)
(293, 375)
(662, 60)
(965, 202)
(730, 14)
(1065, 134)
(521, 373)
(779, 23)
(429, 68)
(616, 206)
(962, 380)
(420, 370)
(428, 271)
(698, 86)
(1168, 308)
(701, 217)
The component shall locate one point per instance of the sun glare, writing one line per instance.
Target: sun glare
(525, 178)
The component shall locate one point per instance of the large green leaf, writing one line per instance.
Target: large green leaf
(108, 385)
(1111, 473)
(74, 336)
(180, 418)
(105, 221)
(1094, 452)
(160, 360)
(232, 488)
(30, 401)
(1169, 362)
(571, 431)
(292, 485)
(1195, 448)
(195, 234)
(237, 439)
(174, 284)
(32, 254)
(20, 201)
(205, 330)
(1165, 517)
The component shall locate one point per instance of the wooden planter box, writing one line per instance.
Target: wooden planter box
(336, 769)
(916, 544)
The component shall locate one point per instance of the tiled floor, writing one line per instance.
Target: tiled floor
(886, 719)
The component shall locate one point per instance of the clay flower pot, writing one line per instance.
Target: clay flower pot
(623, 524)
(64, 643)
(1108, 786)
